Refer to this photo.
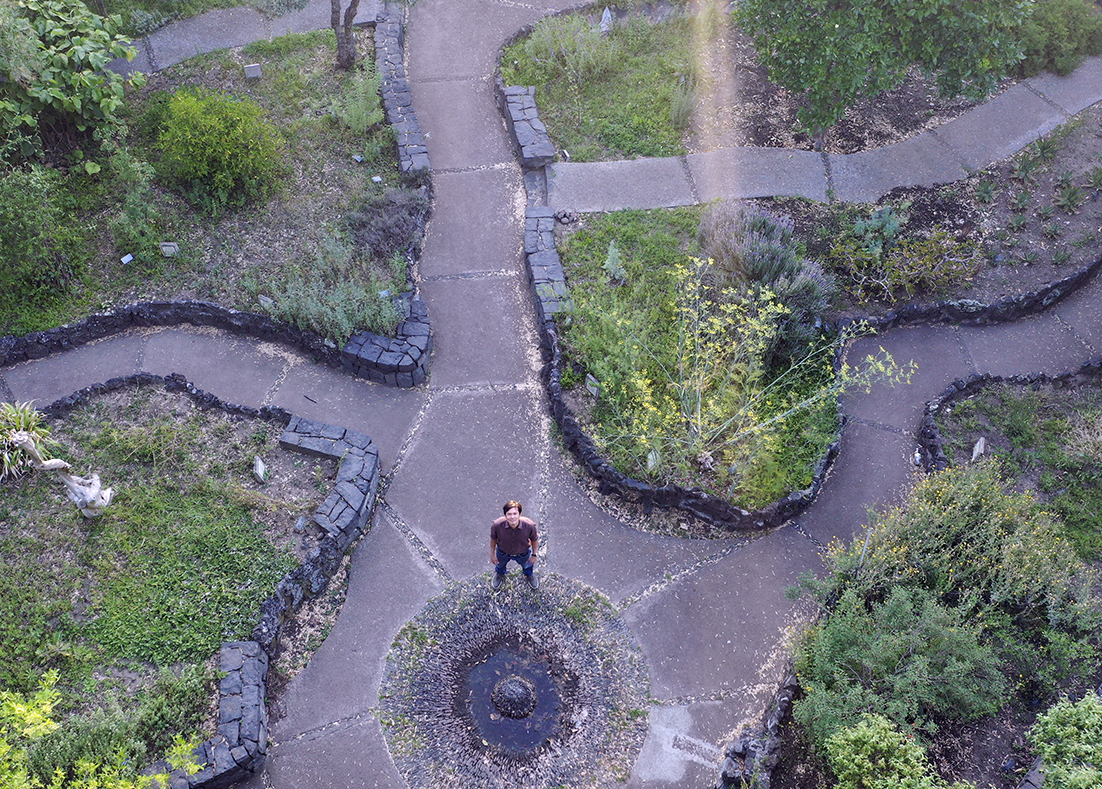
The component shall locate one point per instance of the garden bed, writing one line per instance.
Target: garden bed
(129, 607)
(339, 226)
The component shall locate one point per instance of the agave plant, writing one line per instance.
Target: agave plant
(16, 418)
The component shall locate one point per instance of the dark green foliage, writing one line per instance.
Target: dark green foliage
(908, 658)
(220, 151)
(43, 251)
(54, 87)
(834, 53)
(134, 734)
(993, 587)
(1058, 35)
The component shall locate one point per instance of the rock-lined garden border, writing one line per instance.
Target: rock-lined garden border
(239, 748)
(401, 361)
(930, 441)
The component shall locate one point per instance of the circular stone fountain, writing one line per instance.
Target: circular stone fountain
(515, 687)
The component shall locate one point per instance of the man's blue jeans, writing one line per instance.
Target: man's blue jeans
(523, 559)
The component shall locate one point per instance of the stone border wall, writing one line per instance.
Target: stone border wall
(239, 748)
(390, 39)
(749, 761)
(401, 361)
(966, 312)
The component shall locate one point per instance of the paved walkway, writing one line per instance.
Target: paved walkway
(711, 616)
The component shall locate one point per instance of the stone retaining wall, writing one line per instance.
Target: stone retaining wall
(238, 749)
(390, 39)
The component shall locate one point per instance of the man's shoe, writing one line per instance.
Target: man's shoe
(533, 581)
(496, 582)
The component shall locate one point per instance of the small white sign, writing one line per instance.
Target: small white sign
(252, 71)
(592, 385)
(126, 259)
(170, 249)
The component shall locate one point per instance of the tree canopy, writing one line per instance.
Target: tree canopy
(55, 82)
(834, 52)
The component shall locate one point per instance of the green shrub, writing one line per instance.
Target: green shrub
(338, 293)
(1058, 35)
(914, 265)
(874, 754)
(387, 223)
(1068, 738)
(360, 106)
(44, 251)
(219, 150)
(105, 737)
(908, 657)
(753, 249)
(54, 87)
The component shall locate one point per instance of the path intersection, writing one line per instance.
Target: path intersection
(711, 617)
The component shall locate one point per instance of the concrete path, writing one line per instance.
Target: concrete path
(984, 135)
(711, 616)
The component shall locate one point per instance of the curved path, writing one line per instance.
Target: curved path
(711, 616)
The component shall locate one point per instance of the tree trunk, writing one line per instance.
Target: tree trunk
(346, 39)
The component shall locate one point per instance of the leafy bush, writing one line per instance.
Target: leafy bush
(753, 249)
(44, 251)
(219, 150)
(908, 657)
(55, 85)
(874, 754)
(1058, 35)
(988, 566)
(914, 265)
(1068, 738)
(20, 417)
(360, 106)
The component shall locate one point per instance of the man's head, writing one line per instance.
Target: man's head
(512, 511)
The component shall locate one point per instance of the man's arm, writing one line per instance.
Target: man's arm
(493, 550)
(535, 543)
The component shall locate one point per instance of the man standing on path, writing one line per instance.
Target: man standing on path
(513, 538)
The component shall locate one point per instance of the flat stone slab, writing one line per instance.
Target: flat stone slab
(382, 412)
(1075, 92)
(684, 745)
(723, 629)
(610, 186)
(342, 679)
(1000, 128)
(473, 227)
(476, 324)
(59, 375)
(630, 560)
(1040, 344)
(467, 130)
(472, 452)
(740, 173)
(920, 161)
(1080, 312)
(871, 472)
(218, 29)
(939, 356)
(462, 39)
